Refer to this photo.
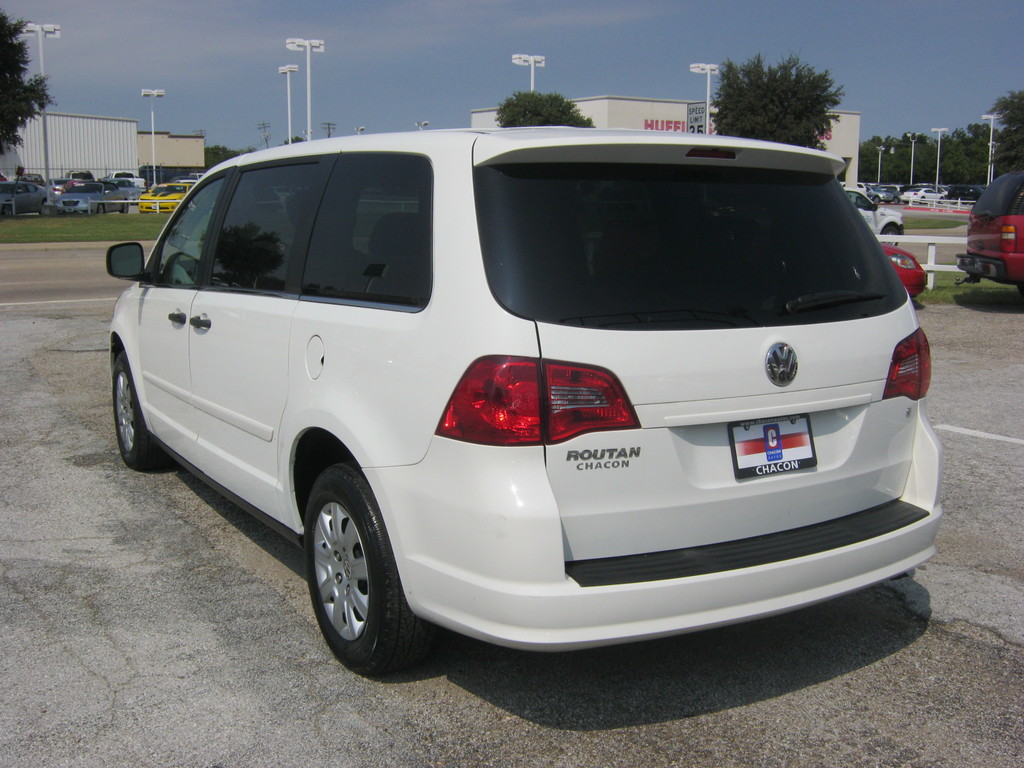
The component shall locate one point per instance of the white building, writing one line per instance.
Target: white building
(686, 117)
(101, 145)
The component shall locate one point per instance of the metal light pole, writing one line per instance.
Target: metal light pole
(42, 31)
(709, 70)
(913, 146)
(991, 144)
(881, 149)
(298, 44)
(528, 60)
(153, 95)
(938, 154)
(287, 72)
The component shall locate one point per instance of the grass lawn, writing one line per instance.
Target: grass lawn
(927, 224)
(986, 292)
(80, 228)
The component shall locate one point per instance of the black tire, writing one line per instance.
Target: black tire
(101, 209)
(353, 581)
(1020, 289)
(890, 229)
(138, 448)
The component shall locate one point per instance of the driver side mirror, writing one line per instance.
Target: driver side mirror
(126, 261)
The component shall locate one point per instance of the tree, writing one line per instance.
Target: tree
(21, 97)
(531, 108)
(218, 153)
(1009, 154)
(790, 103)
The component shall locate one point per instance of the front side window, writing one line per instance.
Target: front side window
(372, 237)
(650, 247)
(261, 226)
(178, 255)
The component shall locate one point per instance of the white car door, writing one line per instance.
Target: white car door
(165, 331)
(242, 323)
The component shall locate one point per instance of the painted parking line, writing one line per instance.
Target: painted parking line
(976, 433)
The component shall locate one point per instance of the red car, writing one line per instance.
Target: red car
(909, 271)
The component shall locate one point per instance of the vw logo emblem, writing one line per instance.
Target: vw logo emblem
(780, 364)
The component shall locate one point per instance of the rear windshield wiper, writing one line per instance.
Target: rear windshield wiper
(826, 299)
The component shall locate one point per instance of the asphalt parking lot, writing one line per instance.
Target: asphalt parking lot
(147, 622)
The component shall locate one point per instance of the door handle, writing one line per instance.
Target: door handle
(178, 318)
(196, 321)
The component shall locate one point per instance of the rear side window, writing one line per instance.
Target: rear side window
(372, 237)
(262, 226)
(639, 247)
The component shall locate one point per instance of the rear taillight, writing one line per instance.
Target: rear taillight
(1008, 239)
(525, 401)
(910, 372)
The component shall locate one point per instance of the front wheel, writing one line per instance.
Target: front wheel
(890, 229)
(138, 448)
(353, 579)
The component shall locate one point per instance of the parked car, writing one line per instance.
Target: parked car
(33, 178)
(81, 175)
(908, 269)
(20, 197)
(136, 180)
(93, 197)
(164, 198)
(968, 192)
(552, 388)
(883, 193)
(132, 192)
(921, 195)
(882, 221)
(995, 234)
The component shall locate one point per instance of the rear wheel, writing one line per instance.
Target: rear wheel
(353, 580)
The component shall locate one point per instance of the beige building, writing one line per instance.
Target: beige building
(172, 151)
(686, 117)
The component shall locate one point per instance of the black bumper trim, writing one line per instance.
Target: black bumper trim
(746, 553)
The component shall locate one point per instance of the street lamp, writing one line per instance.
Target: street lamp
(709, 70)
(881, 149)
(913, 146)
(991, 143)
(287, 72)
(153, 95)
(422, 125)
(42, 31)
(298, 44)
(528, 60)
(938, 154)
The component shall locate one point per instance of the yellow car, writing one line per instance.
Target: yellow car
(163, 198)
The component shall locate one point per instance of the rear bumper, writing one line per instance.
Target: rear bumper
(1008, 267)
(480, 551)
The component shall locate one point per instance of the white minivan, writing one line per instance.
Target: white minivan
(552, 388)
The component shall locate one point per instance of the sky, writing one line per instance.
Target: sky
(905, 65)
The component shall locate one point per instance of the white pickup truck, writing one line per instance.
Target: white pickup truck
(883, 221)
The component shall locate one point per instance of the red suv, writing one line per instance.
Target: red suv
(995, 234)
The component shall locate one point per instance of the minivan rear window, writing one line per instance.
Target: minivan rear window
(640, 247)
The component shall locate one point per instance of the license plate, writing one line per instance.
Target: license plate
(765, 447)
